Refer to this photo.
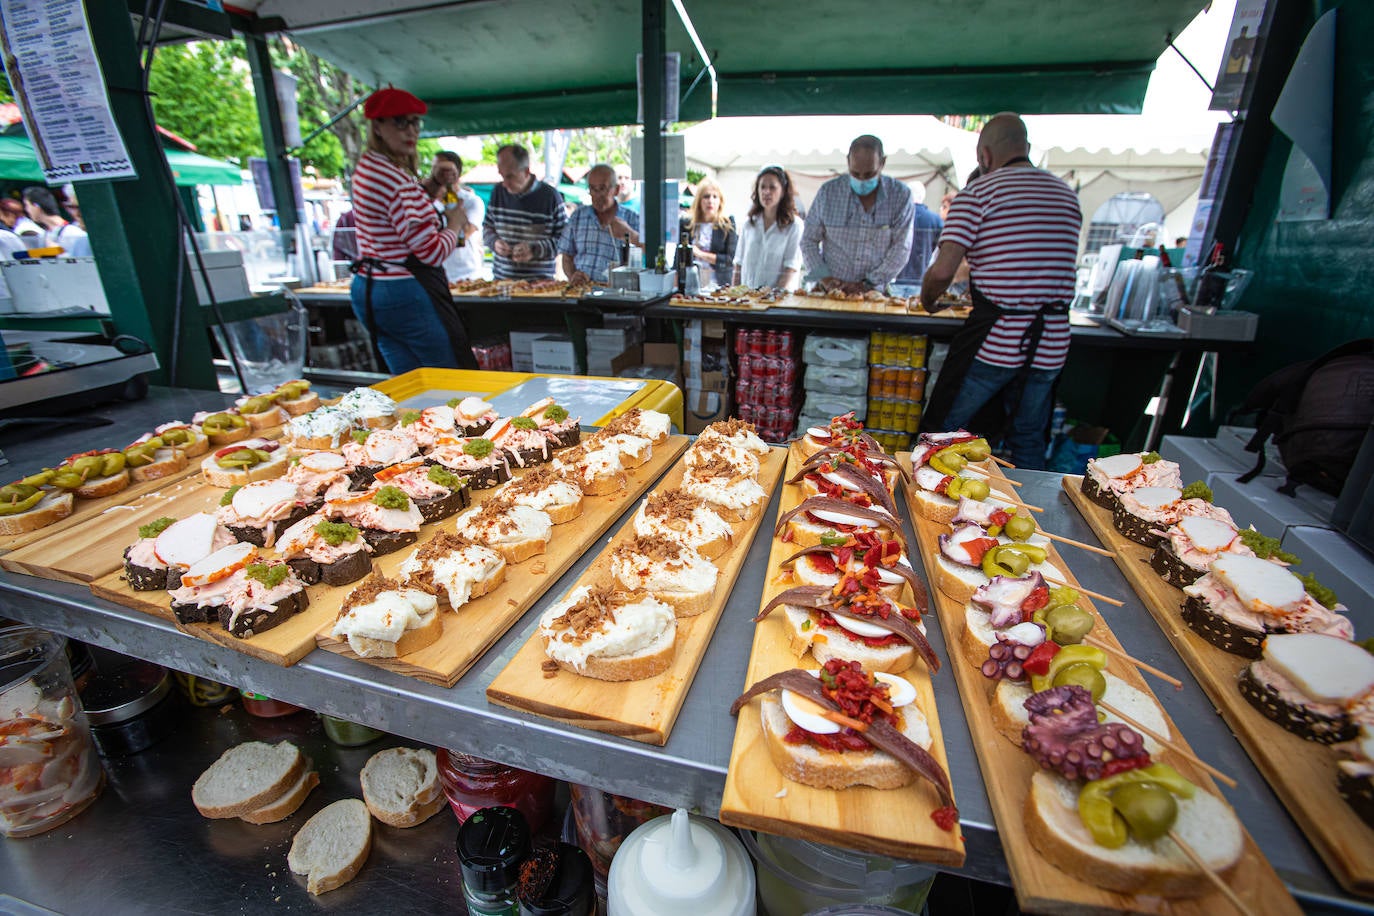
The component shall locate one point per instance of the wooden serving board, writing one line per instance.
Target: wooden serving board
(1007, 771)
(473, 628)
(1302, 773)
(640, 710)
(894, 822)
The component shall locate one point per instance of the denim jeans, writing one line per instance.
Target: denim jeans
(1027, 420)
(409, 333)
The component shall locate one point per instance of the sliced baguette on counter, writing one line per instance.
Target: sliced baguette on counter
(332, 846)
(286, 806)
(401, 786)
(246, 777)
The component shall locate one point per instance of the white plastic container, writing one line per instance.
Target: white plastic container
(798, 876)
(830, 405)
(837, 381)
(832, 350)
(681, 866)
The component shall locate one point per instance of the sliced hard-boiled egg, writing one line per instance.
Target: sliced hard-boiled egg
(807, 714)
(842, 482)
(900, 691)
(861, 627)
(819, 432)
(839, 518)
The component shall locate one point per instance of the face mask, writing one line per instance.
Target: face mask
(867, 186)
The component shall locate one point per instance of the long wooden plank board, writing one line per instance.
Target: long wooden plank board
(1007, 771)
(293, 640)
(475, 627)
(894, 822)
(1302, 773)
(640, 710)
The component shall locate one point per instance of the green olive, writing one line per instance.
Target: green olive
(177, 437)
(1069, 624)
(88, 465)
(1149, 810)
(1085, 676)
(976, 489)
(18, 497)
(111, 463)
(1019, 527)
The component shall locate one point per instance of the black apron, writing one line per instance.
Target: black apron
(435, 284)
(991, 417)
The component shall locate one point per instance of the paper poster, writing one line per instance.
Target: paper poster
(60, 90)
(1202, 216)
(1243, 44)
(1304, 113)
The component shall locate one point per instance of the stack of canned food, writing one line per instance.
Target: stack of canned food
(766, 381)
(896, 383)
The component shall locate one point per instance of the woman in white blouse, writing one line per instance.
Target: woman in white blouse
(770, 240)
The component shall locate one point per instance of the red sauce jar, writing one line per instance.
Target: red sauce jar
(256, 704)
(471, 783)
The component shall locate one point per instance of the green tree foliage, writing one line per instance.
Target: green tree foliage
(586, 146)
(323, 90)
(203, 92)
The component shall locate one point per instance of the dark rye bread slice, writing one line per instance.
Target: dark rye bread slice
(470, 430)
(259, 620)
(1358, 791)
(1135, 527)
(1301, 720)
(1221, 633)
(1171, 569)
(194, 613)
(434, 508)
(347, 569)
(484, 477)
(1104, 498)
(531, 456)
(384, 542)
(147, 579)
(566, 438)
(251, 534)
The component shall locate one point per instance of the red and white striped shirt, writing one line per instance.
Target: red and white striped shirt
(395, 217)
(1019, 226)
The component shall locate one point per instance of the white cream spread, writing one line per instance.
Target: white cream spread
(457, 572)
(385, 618)
(634, 627)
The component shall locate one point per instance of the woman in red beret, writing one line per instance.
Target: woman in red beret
(399, 291)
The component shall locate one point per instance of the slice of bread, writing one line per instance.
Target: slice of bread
(166, 462)
(246, 777)
(824, 644)
(285, 806)
(216, 476)
(1205, 823)
(652, 660)
(824, 769)
(401, 786)
(421, 637)
(332, 846)
(97, 487)
(1010, 717)
(273, 416)
(935, 507)
(53, 507)
(301, 405)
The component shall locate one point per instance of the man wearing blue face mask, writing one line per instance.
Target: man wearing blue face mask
(858, 231)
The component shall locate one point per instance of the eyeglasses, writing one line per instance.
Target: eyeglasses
(403, 123)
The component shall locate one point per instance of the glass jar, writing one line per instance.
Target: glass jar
(52, 772)
(604, 820)
(348, 734)
(471, 783)
(491, 845)
(255, 704)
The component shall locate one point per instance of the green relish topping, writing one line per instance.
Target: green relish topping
(1320, 593)
(478, 448)
(360, 435)
(409, 417)
(335, 533)
(444, 477)
(1150, 458)
(228, 496)
(153, 529)
(454, 402)
(270, 575)
(523, 423)
(1197, 490)
(392, 498)
(555, 414)
(294, 460)
(1266, 548)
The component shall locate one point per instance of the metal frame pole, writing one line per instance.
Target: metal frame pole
(653, 48)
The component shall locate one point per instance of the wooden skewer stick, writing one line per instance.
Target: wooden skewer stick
(1079, 544)
(1127, 657)
(1106, 599)
(986, 476)
(1212, 876)
(1003, 462)
(1176, 748)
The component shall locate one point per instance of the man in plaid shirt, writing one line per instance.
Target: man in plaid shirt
(858, 230)
(597, 233)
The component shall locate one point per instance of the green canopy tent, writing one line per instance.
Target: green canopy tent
(19, 163)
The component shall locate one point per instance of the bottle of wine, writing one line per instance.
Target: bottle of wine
(1211, 283)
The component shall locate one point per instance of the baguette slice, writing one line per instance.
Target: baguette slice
(804, 635)
(166, 461)
(247, 777)
(332, 846)
(285, 806)
(813, 766)
(51, 508)
(1205, 823)
(1009, 714)
(97, 487)
(422, 637)
(217, 476)
(273, 416)
(401, 786)
(301, 405)
(652, 660)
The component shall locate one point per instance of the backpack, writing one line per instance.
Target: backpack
(1318, 413)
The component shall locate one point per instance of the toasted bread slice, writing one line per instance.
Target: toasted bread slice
(332, 846)
(812, 766)
(935, 507)
(217, 476)
(266, 419)
(97, 487)
(1161, 868)
(166, 462)
(285, 806)
(652, 660)
(421, 637)
(246, 777)
(53, 507)
(301, 405)
(1010, 717)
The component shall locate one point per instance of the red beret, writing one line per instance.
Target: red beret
(392, 103)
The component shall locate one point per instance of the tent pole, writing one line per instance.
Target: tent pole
(652, 89)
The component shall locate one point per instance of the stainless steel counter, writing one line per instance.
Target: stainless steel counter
(690, 770)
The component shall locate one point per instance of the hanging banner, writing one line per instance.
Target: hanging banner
(1235, 79)
(60, 90)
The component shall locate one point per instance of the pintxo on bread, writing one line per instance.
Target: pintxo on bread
(382, 618)
(609, 634)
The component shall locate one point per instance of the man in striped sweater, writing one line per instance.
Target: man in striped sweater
(524, 220)
(1018, 226)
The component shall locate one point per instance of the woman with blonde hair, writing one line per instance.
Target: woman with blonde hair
(712, 235)
(399, 291)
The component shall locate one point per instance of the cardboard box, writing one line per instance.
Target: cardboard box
(613, 366)
(702, 408)
(522, 348)
(553, 354)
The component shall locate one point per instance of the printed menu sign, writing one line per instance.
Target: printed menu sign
(60, 90)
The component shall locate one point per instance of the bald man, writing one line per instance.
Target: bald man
(1018, 227)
